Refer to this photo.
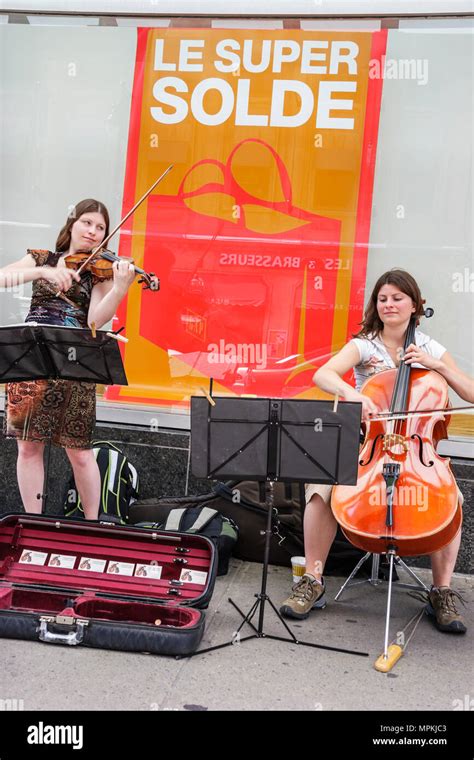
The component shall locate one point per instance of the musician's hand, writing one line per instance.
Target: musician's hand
(60, 277)
(124, 275)
(414, 354)
(368, 406)
(374, 362)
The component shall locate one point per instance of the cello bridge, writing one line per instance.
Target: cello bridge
(391, 440)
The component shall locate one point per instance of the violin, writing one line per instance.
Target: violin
(102, 265)
(406, 497)
(101, 252)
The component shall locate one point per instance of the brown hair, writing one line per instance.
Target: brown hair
(83, 207)
(371, 323)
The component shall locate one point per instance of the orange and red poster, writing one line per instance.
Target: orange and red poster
(259, 233)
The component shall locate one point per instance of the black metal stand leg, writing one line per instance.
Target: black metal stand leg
(259, 604)
(263, 596)
(247, 618)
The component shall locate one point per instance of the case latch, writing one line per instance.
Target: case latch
(74, 637)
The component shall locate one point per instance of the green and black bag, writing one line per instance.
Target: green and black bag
(119, 485)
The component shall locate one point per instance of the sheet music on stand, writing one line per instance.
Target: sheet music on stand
(31, 351)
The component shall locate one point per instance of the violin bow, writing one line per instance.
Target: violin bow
(98, 248)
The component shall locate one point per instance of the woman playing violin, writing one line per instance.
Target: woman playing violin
(61, 409)
(379, 345)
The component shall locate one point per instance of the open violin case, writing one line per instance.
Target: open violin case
(103, 585)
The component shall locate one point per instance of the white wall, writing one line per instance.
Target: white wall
(422, 216)
(65, 106)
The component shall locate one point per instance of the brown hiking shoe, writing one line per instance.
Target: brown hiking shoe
(307, 594)
(442, 607)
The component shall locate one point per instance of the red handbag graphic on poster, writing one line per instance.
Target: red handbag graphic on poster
(259, 233)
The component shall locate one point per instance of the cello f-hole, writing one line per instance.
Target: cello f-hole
(372, 450)
(420, 453)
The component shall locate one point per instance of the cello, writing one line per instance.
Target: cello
(406, 499)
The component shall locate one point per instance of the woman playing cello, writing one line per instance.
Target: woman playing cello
(396, 298)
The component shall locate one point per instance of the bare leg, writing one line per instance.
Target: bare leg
(320, 529)
(443, 562)
(30, 474)
(87, 477)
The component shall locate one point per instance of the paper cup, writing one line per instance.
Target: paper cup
(298, 566)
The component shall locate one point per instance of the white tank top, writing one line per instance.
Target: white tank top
(374, 348)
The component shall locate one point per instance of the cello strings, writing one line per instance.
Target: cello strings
(398, 402)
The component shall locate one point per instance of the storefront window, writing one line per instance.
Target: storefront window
(308, 158)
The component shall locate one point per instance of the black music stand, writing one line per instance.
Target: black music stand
(45, 352)
(271, 440)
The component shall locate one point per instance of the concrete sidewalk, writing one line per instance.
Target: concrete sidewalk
(435, 673)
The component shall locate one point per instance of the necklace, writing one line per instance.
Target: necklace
(387, 345)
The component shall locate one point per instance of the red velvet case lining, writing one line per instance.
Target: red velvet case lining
(88, 606)
(103, 543)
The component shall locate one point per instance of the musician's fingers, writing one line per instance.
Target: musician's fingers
(368, 408)
(65, 280)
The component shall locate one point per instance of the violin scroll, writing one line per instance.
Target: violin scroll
(151, 280)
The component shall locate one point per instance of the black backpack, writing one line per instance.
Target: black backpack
(119, 485)
(182, 515)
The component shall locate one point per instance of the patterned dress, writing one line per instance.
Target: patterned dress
(63, 410)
